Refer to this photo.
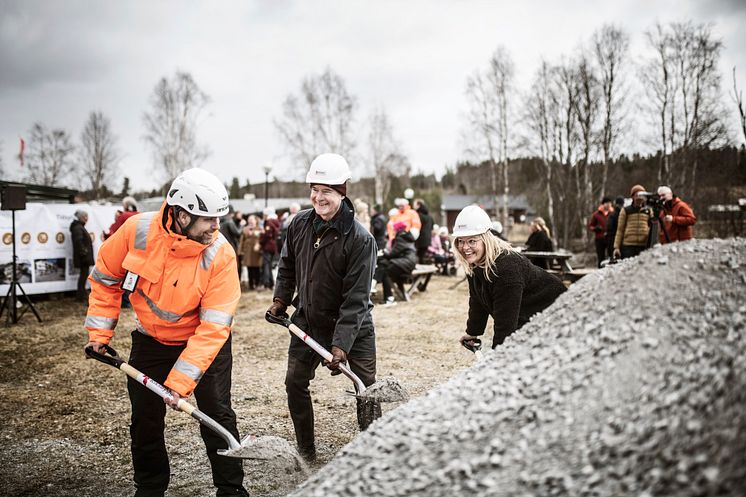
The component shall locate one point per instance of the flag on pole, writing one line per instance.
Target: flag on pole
(23, 148)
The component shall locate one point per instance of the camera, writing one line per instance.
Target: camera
(653, 200)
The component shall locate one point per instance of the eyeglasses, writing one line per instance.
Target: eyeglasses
(472, 242)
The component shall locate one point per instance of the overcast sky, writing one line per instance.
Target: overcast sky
(59, 60)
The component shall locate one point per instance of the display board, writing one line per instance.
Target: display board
(43, 247)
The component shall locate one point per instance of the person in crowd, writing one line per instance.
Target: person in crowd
(82, 251)
(293, 210)
(498, 230)
(445, 242)
(232, 232)
(378, 222)
(405, 214)
(677, 218)
(426, 227)
(397, 261)
(129, 209)
(633, 226)
(362, 213)
(250, 251)
(268, 244)
(325, 271)
(611, 224)
(502, 283)
(597, 225)
(185, 290)
(435, 252)
(540, 240)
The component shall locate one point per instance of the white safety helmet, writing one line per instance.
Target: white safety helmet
(199, 193)
(472, 220)
(408, 194)
(328, 169)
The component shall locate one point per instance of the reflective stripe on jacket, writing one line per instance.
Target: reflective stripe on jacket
(408, 216)
(187, 292)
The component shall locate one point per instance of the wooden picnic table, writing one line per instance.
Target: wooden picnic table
(559, 258)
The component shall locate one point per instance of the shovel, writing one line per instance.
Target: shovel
(384, 391)
(251, 447)
(474, 345)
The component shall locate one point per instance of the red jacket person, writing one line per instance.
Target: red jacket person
(676, 217)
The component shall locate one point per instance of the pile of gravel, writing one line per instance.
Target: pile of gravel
(632, 383)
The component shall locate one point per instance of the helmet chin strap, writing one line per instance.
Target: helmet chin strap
(184, 229)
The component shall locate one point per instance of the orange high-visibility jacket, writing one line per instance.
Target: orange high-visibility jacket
(187, 292)
(408, 216)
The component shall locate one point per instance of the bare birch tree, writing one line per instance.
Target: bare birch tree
(386, 154)
(488, 94)
(542, 122)
(49, 156)
(320, 119)
(687, 56)
(738, 99)
(176, 108)
(98, 153)
(611, 47)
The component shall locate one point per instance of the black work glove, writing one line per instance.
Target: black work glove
(338, 356)
(278, 308)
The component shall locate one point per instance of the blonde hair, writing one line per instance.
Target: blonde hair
(539, 221)
(494, 247)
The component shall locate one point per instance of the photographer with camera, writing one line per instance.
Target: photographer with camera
(676, 217)
(633, 226)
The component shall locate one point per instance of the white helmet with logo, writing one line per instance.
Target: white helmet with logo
(328, 169)
(471, 221)
(199, 193)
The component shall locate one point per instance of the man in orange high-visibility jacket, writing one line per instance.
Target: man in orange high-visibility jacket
(406, 215)
(184, 286)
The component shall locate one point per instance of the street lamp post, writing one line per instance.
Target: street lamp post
(267, 170)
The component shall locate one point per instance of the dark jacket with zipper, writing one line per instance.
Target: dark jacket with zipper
(329, 286)
(518, 290)
(423, 241)
(378, 230)
(402, 254)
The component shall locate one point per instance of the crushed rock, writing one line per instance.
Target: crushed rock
(388, 389)
(632, 383)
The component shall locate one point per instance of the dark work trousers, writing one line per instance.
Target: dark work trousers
(254, 280)
(600, 250)
(82, 277)
(628, 251)
(298, 377)
(267, 279)
(388, 274)
(213, 396)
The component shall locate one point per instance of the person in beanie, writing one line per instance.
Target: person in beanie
(597, 225)
(677, 218)
(325, 272)
(503, 284)
(82, 251)
(633, 227)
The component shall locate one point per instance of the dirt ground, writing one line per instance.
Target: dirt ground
(64, 429)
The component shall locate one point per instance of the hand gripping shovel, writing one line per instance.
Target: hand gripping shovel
(389, 390)
(251, 447)
(475, 345)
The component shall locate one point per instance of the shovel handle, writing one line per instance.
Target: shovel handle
(473, 345)
(112, 359)
(316, 346)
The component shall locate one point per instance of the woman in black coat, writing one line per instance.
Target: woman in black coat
(396, 262)
(502, 283)
(539, 241)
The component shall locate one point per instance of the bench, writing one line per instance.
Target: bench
(414, 282)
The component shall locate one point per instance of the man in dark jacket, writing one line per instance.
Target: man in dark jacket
(82, 251)
(325, 271)
(426, 232)
(378, 223)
